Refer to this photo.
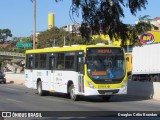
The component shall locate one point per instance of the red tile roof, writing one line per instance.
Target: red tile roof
(157, 18)
(5, 45)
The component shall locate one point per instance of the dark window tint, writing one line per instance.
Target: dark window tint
(42, 60)
(60, 61)
(69, 62)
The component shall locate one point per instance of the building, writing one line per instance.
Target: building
(5, 45)
(156, 22)
(73, 28)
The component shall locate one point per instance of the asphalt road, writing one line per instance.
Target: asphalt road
(19, 98)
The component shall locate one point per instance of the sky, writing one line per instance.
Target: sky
(17, 15)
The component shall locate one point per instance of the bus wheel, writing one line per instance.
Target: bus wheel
(39, 88)
(106, 98)
(155, 78)
(72, 93)
(4, 82)
(134, 78)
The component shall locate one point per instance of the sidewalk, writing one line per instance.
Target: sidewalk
(17, 78)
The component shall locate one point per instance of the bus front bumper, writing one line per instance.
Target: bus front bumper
(118, 91)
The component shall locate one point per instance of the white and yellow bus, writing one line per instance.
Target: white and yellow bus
(71, 70)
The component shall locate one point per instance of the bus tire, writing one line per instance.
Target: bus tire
(155, 78)
(39, 88)
(134, 78)
(106, 98)
(72, 94)
(4, 82)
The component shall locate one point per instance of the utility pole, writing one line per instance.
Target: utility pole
(34, 34)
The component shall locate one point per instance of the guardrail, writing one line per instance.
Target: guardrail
(12, 54)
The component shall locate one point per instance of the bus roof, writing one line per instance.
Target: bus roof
(67, 48)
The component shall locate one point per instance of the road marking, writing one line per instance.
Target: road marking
(13, 100)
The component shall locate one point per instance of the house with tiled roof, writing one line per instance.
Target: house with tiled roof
(156, 19)
(156, 22)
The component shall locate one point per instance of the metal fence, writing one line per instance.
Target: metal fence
(12, 54)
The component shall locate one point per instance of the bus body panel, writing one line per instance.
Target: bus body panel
(56, 81)
(106, 89)
(62, 78)
(29, 78)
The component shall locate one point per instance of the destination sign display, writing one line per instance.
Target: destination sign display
(104, 51)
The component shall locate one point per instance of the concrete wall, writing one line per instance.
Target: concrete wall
(135, 88)
(144, 89)
(17, 78)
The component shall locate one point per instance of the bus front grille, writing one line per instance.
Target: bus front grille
(103, 92)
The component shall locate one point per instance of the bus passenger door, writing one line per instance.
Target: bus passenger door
(81, 74)
(51, 68)
(29, 73)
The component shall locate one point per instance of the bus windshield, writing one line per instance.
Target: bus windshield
(105, 64)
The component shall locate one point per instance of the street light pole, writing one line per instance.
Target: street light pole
(34, 34)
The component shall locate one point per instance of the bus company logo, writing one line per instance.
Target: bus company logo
(6, 114)
(146, 38)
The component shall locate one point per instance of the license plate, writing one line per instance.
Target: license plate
(108, 93)
(102, 86)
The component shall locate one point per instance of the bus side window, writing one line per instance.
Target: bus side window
(69, 62)
(60, 61)
(60, 66)
(42, 61)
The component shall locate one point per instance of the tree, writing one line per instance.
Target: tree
(4, 34)
(26, 39)
(105, 15)
(144, 24)
(141, 27)
(55, 37)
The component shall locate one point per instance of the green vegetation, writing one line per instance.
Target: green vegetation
(104, 16)
(56, 36)
(4, 34)
(12, 45)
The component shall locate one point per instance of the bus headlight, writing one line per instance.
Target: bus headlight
(124, 84)
(91, 85)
